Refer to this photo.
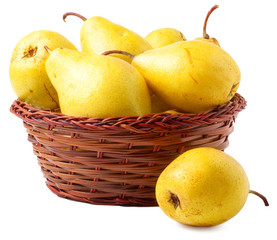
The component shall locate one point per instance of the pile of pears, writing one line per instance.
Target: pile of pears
(120, 73)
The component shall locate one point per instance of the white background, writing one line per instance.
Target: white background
(245, 29)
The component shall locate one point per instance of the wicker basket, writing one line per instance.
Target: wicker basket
(117, 160)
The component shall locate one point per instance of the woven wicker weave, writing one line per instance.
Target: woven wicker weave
(117, 160)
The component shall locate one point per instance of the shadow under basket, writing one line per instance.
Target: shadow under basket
(117, 160)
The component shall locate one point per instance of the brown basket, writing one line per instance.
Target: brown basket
(117, 160)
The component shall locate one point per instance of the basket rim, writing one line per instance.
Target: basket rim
(139, 124)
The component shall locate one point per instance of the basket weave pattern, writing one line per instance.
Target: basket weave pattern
(117, 160)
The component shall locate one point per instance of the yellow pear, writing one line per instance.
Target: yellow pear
(164, 36)
(27, 68)
(99, 35)
(206, 37)
(91, 85)
(190, 76)
(203, 187)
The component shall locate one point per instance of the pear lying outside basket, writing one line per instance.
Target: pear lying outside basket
(117, 160)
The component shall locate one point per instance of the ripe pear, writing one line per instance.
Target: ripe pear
(99, 35)
(91, 85)
(164, 36)
(190, 76)
(206, 36)
(27, 68)
(203, 187)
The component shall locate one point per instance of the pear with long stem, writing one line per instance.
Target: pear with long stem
(99, 34)
(189, 76)
(203, 187)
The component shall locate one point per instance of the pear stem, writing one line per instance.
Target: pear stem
(205, 35)
(73, 14)
(119, 52)
(261, 196)
(47, 49)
